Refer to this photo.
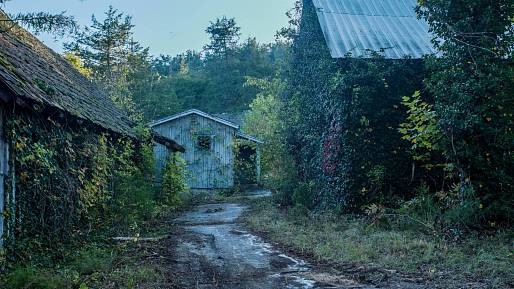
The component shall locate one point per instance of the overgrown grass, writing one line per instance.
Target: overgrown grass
(98, 265)
(32, 278)
(352, 240)
(112, 266)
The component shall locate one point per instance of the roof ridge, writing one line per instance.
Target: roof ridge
(195, 111)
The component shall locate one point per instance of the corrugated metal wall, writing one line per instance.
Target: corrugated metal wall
(208, 169)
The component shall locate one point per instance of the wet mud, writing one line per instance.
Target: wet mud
(214, 251)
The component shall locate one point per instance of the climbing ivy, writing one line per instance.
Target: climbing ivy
(342, 118)
(174, 183)
(60, 182)
(70, 181)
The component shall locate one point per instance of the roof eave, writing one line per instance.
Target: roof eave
(249, 137)
(193, 111)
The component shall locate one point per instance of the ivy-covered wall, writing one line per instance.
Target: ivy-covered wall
(343, 121)
(65, 182)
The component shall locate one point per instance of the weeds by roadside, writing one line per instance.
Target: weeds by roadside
(338, 239)
(103, 265)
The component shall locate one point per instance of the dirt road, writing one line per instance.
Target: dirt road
(214, 251)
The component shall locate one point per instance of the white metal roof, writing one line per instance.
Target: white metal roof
(197, 112)
(208, 116)
(361, 26)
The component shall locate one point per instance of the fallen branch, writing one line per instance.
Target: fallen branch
(139, 239)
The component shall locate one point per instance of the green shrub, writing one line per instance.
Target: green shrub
(135, 199)
(30, 278)
(298, 213)
(420, 127)
(174, 184)
(422, 212)
(92, 260)
(466, 210)
(265, 121)
(134, 191)
(446, 210)
(303, 195)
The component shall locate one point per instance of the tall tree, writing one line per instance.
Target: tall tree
(107, 48)
(289, 33)
(224, 34)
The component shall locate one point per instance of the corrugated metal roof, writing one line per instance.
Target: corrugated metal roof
(197, 112)
(209, 116)
(361, 26)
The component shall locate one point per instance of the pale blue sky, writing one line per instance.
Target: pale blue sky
(171, 26)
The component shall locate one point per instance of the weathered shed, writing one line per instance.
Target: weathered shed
(37, 81)
(210, 143)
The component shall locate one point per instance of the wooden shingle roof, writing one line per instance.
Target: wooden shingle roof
(33, 72)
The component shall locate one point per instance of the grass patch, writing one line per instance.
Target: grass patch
(32, 278)
(91, 268)
(94, 259)
(344, 239)
(100, 265)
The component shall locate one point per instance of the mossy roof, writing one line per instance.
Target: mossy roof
(32, 71)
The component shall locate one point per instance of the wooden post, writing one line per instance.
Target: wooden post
(258, 164)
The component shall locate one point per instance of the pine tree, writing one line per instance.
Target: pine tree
(108, 49)
(58, 24)
(224, 34)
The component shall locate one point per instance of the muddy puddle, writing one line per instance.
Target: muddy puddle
(216, 252)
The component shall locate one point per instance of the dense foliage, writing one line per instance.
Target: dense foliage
(343, 117)
(174, 182)
(472, 84)
(432, 138)
(73, 182)
(265, 121)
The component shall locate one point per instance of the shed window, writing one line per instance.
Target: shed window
(204, 142)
